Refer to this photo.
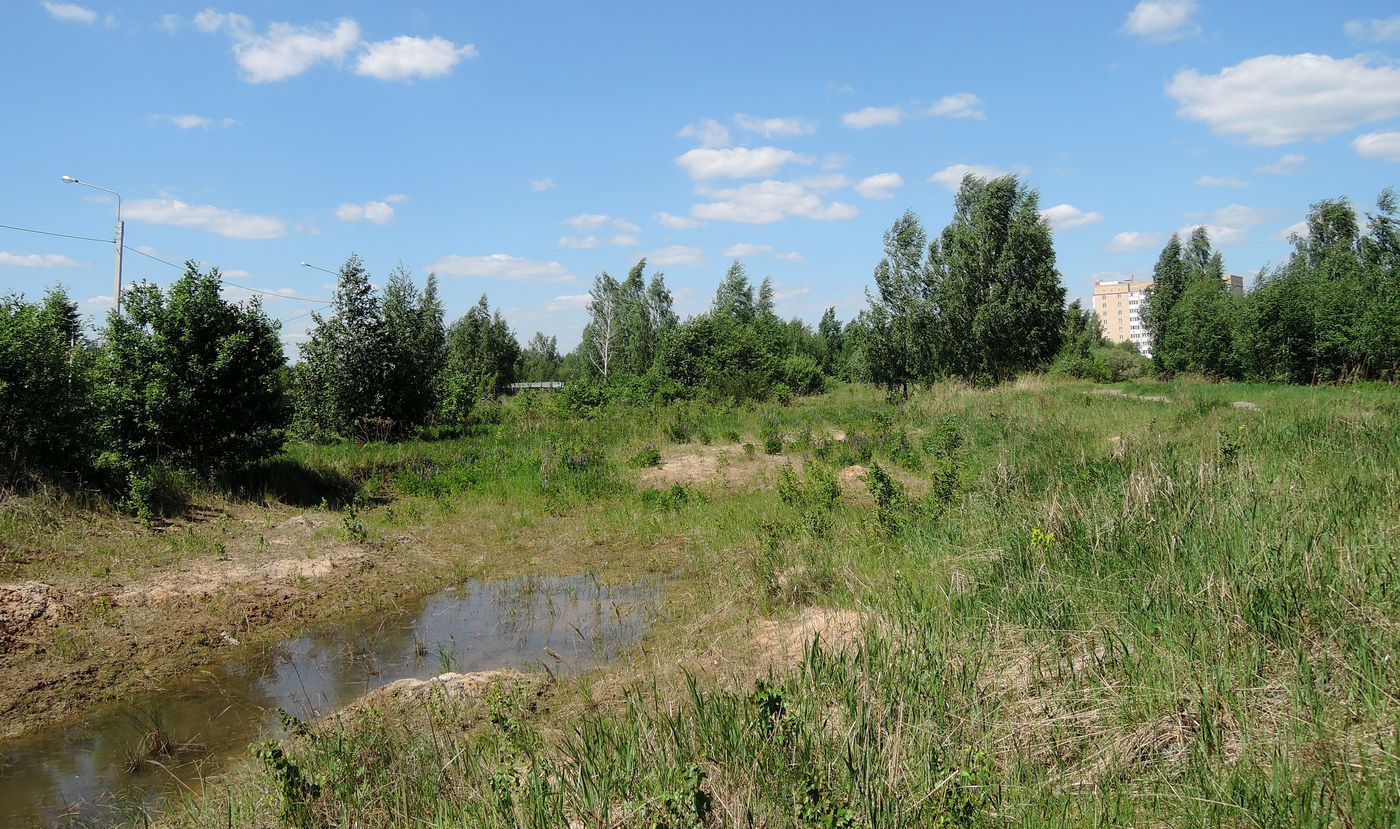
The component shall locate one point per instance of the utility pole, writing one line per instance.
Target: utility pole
(119, 241)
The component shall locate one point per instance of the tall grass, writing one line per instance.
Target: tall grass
(1085, 610)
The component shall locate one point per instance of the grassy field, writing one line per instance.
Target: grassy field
(1048, 604)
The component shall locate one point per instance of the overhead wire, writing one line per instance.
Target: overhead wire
(321, 300)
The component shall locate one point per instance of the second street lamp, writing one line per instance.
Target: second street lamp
(119, 241)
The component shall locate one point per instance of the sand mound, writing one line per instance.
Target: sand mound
(782, 642)
(451, 686)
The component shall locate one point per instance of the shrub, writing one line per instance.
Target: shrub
(647, 457)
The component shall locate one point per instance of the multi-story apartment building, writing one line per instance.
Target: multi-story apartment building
(1118, 304)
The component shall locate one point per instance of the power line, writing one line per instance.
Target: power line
(60, 235)
(323, 302)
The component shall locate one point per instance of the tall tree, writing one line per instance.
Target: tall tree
(603, 332)
(44, 386)
(901, 280)
(415, 344)
(734, 298)
(540, 360)
(340, 382)
(483, 357)
(999, 301)
(1169, 279)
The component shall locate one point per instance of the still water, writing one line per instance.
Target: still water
(83, 774)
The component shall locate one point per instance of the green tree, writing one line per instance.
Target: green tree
(999, 303)
(340, 384)
(483, 358)
(416, 349)
(44, 387)
(832, 340)
(901, 338)
(734, 298)
(540, 360)
(188, 380)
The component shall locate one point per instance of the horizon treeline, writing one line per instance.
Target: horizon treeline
(185, 380)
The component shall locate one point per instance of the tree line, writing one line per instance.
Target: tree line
(1330, 312)
(185, 379)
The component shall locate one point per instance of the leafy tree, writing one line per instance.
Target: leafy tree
(603, 334)
(483, 357)
(734, 299)
(341, 383)
(189, 380)
(416, 347)
(540, 360)
(829, 333)
(900, 334)
(44, 388)
(1169, 279)
(1204, 322)
(998, 300)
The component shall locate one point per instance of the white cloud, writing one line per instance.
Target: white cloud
(231, 223)
(1162, 19)
(676, 255)
(1229, 225)
(192, 122)
(961, 105)
(1130, 241)
(1374, 30)
(1279, 99)
(952, 175)
(70, 12)
(736, 162)
(1287, 163)
(285, 50)
(1287, 234)
(38, 260)
(625, 240)
(708, 131)
(880, 185)
(404, 58)
(539, 185)
(170, 23)
(378, 212)
(502, 266)
(769, 201)
(578, 241)
(1067, 217)
(742, 249)
(774, 127)
(598, 221)
(675, 222)
(1221, 181)
(1382, 145)
(792, 256)
(625, 226)
(569, 301)
(873, 117)
(834, 161)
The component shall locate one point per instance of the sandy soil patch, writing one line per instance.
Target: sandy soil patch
(26, 605)
(727, 464)
(781, 643)
(209, 578)
(450, 686)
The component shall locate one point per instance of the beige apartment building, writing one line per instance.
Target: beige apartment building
(1118, 305)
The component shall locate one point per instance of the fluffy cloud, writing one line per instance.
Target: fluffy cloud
(736, 162)
(675, 222)
(707, 131)
(70, 12)
(404, 58)
(502, 266)
(234, 224)
(598, 221)
(1374, 30)
(1130, 241)
(192, 122)
(745, 249)
(952, 175)
(792, 256)
(1162, 19)
(285, 50)
(578, 241)
(625, 240)
(567, 302)
(769, 201)
(676, 255)
(539, 185)
(37, 260)
(873, 117)
(1299, 229)
(378, 212)
(1279, 99)
(1230, 225)
(774, 127)
(1382, 145)
(961, 105)
(1221, 181)
(1067, 217)
(880, 185)
(1287, 163)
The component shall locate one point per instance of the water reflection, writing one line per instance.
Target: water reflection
(128, 756)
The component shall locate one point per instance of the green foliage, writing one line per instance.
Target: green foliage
(893, 509)
(45, 403)
(816, 499)
(482, 359)
(189, 381)
(647, 457)
(298, 794)
(773, 442)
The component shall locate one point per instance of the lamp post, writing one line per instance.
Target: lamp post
(318, 268)
(117, 292)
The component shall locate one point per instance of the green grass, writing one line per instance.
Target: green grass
(1079, 610)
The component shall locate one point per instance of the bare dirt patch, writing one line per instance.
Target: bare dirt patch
(28, 605)
(781, 643)
(212, 578)
(728, 464)
(1150, 398)
(448, 686)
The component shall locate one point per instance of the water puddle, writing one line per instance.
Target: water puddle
(86, 772)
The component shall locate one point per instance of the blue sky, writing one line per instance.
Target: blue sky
(519, 149)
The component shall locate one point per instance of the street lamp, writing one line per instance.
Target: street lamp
(117, 294)
(318, 268)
